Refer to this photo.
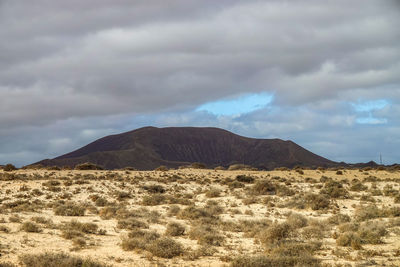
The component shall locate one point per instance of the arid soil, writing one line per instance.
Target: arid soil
(191, 217)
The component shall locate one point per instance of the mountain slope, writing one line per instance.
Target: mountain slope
(149, 147)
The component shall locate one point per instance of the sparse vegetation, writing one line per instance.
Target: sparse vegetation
(191, 216)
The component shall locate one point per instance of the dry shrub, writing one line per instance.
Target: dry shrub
(173, 210)
(372, 233)
(138, 239)
(162, 168)
(213, 192)
(194, 213)
(88, 166)
(69, 209)
(245, 178)
(31, 227)
(57, 259)
(9, 167)
(206, 235)
(358, 187)
(242, 167)
(348, 239)
(154, 199)
(275, 233)
(334, 189)
(264, 187)
(131, 224)
(338, 219)
(317, 201)
(175, 229)
(87, 228)
(274, 261)
(165, 248)
(296, 221)
(154, 189)
(107, 213)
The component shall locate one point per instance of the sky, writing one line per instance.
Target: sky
(324, 74)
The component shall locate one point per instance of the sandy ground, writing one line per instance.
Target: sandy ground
(24, 194)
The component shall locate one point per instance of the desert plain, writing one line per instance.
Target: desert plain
(200, 217)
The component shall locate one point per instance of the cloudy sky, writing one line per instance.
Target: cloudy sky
(325, 74)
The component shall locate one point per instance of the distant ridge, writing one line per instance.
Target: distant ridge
(149, 147)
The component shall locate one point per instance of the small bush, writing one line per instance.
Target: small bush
(339, 219)
(88, 166)
(263, 187)
(165, 248)
(244, 179)
(9, 167)
(358, 187)
(138, 239)
(243, 167)
(213, 192)
(31, 227)
(87, 228)
(57, 259)
(348, 239)
(153, 200)
(296, 221)
(334, 189)
(206, 235)
(69, 209)
(274, 261)
(175, 229)
(275, 233)
(131, 224)
(317, 201)
(154, 189)
(162, 168)
(363, 213)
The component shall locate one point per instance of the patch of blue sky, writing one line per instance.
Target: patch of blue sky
(371, 120)
(366, 110)
(242, 104)
(368, 106)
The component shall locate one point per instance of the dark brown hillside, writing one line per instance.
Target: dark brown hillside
(149, 147)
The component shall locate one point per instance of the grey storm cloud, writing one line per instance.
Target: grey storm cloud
(69, 62)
